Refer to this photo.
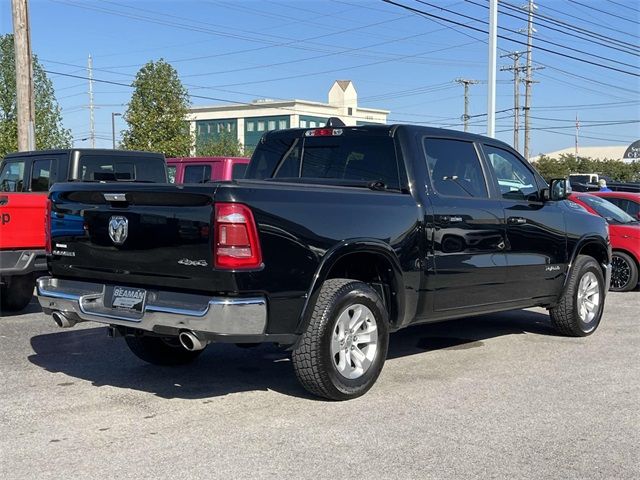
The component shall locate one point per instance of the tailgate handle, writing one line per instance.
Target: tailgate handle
(115, 197)
(4, 200)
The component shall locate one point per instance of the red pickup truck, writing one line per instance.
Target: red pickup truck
(25, 179)
(205, 169)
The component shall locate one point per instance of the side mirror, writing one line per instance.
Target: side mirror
(559, 189)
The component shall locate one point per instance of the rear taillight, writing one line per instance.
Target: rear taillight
(47, 227)
(236, 244)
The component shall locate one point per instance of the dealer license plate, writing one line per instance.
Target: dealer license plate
(130, 299)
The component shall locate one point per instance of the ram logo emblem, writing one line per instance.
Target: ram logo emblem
(118, 229)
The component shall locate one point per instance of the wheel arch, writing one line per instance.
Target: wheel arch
(592, 246)
(365, 260)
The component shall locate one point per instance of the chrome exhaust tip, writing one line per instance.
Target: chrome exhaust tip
(190, 341)
(62, 320)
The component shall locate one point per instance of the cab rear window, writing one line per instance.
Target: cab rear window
(359, 158)
(100, 168)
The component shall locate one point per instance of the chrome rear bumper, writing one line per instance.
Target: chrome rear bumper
(163, 311)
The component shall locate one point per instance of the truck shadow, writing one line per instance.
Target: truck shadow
(223, 369)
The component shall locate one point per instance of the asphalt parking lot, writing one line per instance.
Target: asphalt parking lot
(498, 396)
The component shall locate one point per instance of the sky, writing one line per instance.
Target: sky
(586, 56)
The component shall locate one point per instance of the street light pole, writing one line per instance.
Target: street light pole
(491, 94)
(113, 127)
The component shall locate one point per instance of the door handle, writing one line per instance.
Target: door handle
(450, 219)
(4, 200)
(516, 220)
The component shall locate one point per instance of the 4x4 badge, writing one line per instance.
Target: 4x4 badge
(118, 229)
(193, 263)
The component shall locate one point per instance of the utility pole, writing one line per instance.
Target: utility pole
(516, 69)
(577, 132)
(528, 81)
(466, 83)
(24, 76)
(491, 77)
(92, 121)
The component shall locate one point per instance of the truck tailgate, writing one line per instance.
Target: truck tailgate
(139, 234)
(22, 220)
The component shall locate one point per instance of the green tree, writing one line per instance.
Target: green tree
(226, 145)
(48, 119)
(157, 111)
(567, 163)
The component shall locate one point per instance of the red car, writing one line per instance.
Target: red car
(624, 231)
(627, 201)
(205, 169)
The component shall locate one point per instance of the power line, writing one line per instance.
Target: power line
(591, 54)
(602, 124)
(292, 43)
(591, 7)
(575, 17)
(588, 105)
(572, 26)
(503, 37)
(566, 29)
(624, 6)
(203, 97)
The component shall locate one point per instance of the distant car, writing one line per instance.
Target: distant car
(624, 231)
(627, 201)
(205, 169)
(584, 182)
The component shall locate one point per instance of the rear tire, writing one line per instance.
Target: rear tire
(624, 276)
(342, 353)
(579, 311)
(17, 293)
(165, 351)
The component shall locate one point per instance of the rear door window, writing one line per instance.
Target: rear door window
(43, 175)
(171, 173)
(238, 170)
(12, 176)
(455, 168)
(197, 173)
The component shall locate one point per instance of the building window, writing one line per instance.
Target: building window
(349, 111)
(229, 127)
(261, 126)
(303, 124)
(312, 124)
(282, 124)
(250, 126)
(272, 124)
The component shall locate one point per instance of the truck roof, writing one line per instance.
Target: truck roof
(391, 129)
(93, 151)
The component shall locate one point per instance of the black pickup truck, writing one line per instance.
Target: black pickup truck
(335, 238)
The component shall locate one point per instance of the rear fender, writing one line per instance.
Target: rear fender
(357, 246)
